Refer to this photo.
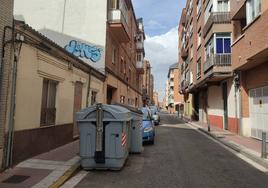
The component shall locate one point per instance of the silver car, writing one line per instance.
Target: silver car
(155, 113)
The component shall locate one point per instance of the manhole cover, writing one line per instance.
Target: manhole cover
(15, 179)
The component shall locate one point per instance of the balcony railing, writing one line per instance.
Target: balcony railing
(184, 53)
(139, 66)
(140, 45)
(219, 60)
(216, 18)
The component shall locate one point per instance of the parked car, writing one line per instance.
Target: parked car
(155, 112)
(148, 126)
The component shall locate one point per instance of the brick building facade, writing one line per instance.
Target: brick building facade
(250, 61)
(124, 56)
(205, 59)
(223, 55)
(174, 98)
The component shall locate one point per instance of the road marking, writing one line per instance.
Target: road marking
(75, 180)
(239, 155)
(40, 164)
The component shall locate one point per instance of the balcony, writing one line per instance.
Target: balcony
(219, 64)
(140, 46)
(216, 18)
(139, 66)
(184, 53)
(118, 22)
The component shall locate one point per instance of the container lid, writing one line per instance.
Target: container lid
(110, 113)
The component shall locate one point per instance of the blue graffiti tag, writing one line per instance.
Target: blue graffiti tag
(84, 51)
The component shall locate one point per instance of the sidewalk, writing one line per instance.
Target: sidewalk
(249, 147)
(45, 170)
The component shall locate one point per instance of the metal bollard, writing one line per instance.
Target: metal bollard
(263, 146)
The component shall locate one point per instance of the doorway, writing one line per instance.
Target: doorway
(110, 94)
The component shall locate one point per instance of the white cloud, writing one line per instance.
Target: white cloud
(162, 51)
(152, 24)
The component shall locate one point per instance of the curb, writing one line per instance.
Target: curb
(237, 148)
(61, 180)
(60, 175)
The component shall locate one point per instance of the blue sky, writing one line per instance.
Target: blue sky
(161, 19)
(159, 15)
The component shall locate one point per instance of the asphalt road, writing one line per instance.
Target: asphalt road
(181, 157)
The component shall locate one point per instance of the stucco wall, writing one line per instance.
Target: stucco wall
(32, 68)
(97, 86)
(83, 19)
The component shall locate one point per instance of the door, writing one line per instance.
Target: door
(258, 111)
(78, 88)
(225, 105)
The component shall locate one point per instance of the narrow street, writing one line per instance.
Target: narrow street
(181, 157)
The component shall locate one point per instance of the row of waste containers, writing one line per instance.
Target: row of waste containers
(108, 133)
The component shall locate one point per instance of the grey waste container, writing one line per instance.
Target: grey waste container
(136, 133)
(104, 136)
(136, 129)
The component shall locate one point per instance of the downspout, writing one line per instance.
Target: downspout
(7, 150)
(89, 85)
(12, 102)
(240, 105)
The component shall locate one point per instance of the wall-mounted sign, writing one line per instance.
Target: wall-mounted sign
(83, 50)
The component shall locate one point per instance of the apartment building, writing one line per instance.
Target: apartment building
(174, 98)
(104, 33)
(156, 99)
(250, 62)
(207, 82)
(147, 83)
(6, 20)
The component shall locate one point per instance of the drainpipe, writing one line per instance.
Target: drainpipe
(240, 105)
(2, 66)
(12, 107)
(89, 85)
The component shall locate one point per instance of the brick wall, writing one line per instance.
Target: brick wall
(6, 17)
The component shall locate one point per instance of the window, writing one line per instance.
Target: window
(114, 55)
(209, 50)
(253, 9)
(198, 10)
(130, 74)
(198, 75)
(191, 29)
(114, 4)
(93, 97)
(139, 57)
(223, 6)
(48, 108)
(223, 43)
(122, 65)
(122, 99)
(208, 10)
(199, 37)
(191, 52)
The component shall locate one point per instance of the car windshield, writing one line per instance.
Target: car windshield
(146, 114)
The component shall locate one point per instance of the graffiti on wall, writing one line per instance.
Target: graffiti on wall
(82, 50)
